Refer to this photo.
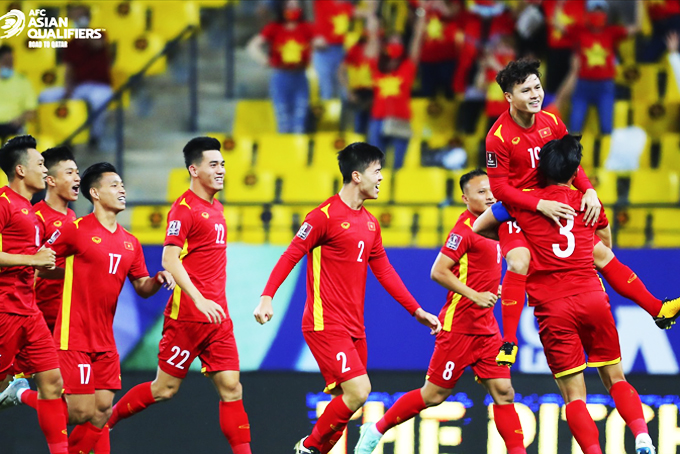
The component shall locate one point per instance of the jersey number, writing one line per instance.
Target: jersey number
(219, 229)
(448, 370)
(37, 236)
(498, 253)
(513, 225)
(571, 241)
(342, 357)
(533, 152)
(114, 261)
(84, 373)
(178, 352)
(361, 251)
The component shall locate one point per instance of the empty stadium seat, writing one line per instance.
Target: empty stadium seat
(432, 119)
(236, 151)
(252, 227)
(31, 60)
(428, 234)
(281, 225)
(148, 223)
(232, 216)
(48, 78)
(666, 227)
(170, 18)
(282, 153)
(133, 53)
(254, 117)
(327, 114)
(396, 224)
(621, 113)
(326, 146)
(120, 19)
(420, 185)
(670, 152)
(604, 182)
(308, 185)
(654, 186)
(249, 186)
(631, 227)
(178, 182)
(61, 119)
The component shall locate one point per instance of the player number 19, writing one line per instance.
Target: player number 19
(533, 152)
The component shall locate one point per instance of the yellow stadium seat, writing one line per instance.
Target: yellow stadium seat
(605, 148)
(254, 117)
(326, 146)
(450, 216)
(252, 227)
(121, 19)
(327, 114)
(654, 186)
(3, 179)
(666, 223)
(456, 176)
(588, 157)
(49, 78)
(249, 186)
(214, 3)
(428, 234)
(148, 223)
(135, 52)
(592, 122)
(281, 153)
(432, 118)
(178, 182)
(61, 119)
(281, 225)
(396, 224)
(313, 81)
(604, 182)
(621, 113)
(30, 60)
(420, 185)
(645, 89)
(631, 227)
(170, 18)
(413, 154)
(232, 216)
(309, 186)
(670, 152)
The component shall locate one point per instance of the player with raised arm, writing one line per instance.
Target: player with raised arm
(570, 305)
(197, 321)
(341, 239)
(469, 267)
(513, 153)
(26, 343)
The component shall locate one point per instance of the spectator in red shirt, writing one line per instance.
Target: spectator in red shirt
(357, 81)
(665, 17)
(394, 72)
(289, 39)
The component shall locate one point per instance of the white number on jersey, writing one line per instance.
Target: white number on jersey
(178, 352)
(219, 229)
(498, 253)
(85, 370)
(343, 358)
(533, 152)
(513, 225)
(571, 241)
(448, 370)
(37, 236)
(114, 261)
(361, 246)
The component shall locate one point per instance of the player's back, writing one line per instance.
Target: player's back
(561, 256)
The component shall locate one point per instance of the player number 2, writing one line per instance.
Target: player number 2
(343, 358)
(533, 152)
(219, 229)
(448, 370)
(114, 261)
(571, 241)
(361, 251)
(84, 373)
(178, 352)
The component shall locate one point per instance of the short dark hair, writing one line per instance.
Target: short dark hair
(193, 150)
(5, 49)
(54, 156)
(465, 179)
(93, 175)
(15, 152)
(357, 157)
(560, 159)
(516, 72)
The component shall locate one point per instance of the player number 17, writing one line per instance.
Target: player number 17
(114, 261)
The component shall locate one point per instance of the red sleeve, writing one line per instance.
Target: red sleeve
(602, 221)
(497, 166)
(138, 269)
(457, 244)
(581, 182)
(282, 269)
(410, 71)
(269, 31)
(4, 213)
(179, 224)
(619, 33)
(390, 280)
(64, 241)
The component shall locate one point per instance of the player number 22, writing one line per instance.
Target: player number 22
(571, 241)
(343, 358)
(219, 229)
(178, 352)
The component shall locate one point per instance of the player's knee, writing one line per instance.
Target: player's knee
(80, 415)
(360, 395)
(434, 399)
(161, 393)
(50, 385)
(503, 393)
(602, 255)
(518, 261)
(230, 392)
(102, 415)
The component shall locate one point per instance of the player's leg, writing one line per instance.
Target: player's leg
(85, 436)
(581, 424)
(233, 417)
(505, 416)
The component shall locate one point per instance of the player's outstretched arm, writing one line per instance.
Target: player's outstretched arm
(171, 262)
(148, 286)
(486, 225)
(44, 258)
(264, 311)
(442, 275)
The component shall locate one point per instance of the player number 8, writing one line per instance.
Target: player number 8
(448, 370)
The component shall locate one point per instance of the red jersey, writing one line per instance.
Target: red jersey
(662, 9)
(559, 16)
(561, 258)
(340, 244)
(478, 265)
(89, 62)
(439, 38)
(199, 228)
(596, 50)
(19, 234)
(392, 91)
(332, 19)
(48, 291)
(359, 73)
(97, 263)
(288, 48)
(512, 154)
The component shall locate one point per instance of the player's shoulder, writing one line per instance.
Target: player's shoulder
(328, 209)
(6, 196)
(464, 223)
(130, 239)
(500, 129)
(184, 203)
(546, 118)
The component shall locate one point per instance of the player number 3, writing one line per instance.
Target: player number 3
(571, 241)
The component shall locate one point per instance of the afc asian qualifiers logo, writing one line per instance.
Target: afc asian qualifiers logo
(54, 237)
(491, 161)
(304, 231)
(454, 241)
(12, 23)
(174, 227)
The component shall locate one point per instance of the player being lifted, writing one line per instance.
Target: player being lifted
(513, 153)
(571, 306)
(341, 239)
(197, 321)
(469, 267)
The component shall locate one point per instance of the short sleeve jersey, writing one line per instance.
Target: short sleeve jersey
(392, 91)
(288, 48)
(199, 228)
(332, 20)
(19, 234)
(358, 68)
(438, 40)
(97, 261)
(48, 292)
(559, 16)
(478, 265)
(339, 243)
(561, 258)
(597, 51)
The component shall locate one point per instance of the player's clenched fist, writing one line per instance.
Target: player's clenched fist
(264, 312)
(45, 258)
(485, 299)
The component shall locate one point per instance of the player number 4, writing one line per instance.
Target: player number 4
(114, 261)
(178, 352)
(84, 373)
(571, 241)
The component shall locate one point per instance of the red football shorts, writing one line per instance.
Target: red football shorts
(453, 352)
(182, 342)
(570, 326)
(26, 342)
(84, 372)
(510, 236)
(340, 357)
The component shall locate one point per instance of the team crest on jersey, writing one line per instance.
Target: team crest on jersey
(96, 239)
(24, 210)
(491, 161)
(545, 132)
(128, 246)
(454, 241)
(205, 215)
(174, 227)
(371, 226)
(54, 237)
(57, 223)
(515, 141)
(345, 225)
(304, 231)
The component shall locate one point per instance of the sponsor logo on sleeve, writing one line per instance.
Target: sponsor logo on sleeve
(304, 231)
(454, 241)
(54, 237)
(491, 161)
(174, 227)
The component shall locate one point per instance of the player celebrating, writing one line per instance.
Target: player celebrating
(25, 340)
(197, 321)
(513, 153)
(63, 186)
(571, 307)
(341, 239)
(469, 267)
